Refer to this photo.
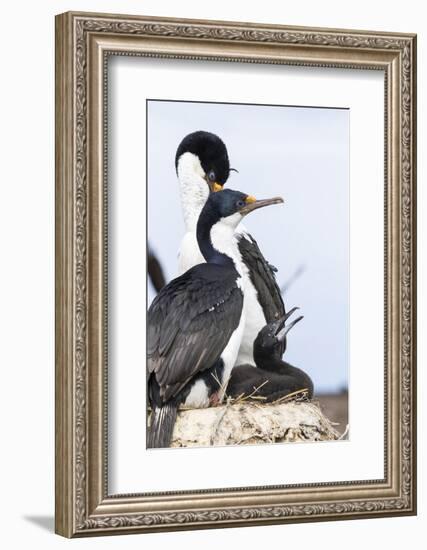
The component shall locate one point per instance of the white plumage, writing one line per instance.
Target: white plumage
(194, 192)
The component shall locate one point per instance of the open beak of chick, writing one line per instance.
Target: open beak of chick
(281, 329)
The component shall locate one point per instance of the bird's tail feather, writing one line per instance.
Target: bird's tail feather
(159, 434)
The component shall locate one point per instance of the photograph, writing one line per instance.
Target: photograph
(248, 273)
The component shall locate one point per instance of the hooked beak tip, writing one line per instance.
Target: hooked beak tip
(282, 328)
(255, 204)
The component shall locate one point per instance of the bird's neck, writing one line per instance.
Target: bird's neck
(208, 224)
(270, 361)
(194, 190)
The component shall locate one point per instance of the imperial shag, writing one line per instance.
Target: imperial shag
(274, 378)
(195, 323)
(202, 164)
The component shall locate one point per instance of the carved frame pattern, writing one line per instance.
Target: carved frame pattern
(83, 506)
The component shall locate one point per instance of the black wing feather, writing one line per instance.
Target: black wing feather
(189, 324)
(262, 276)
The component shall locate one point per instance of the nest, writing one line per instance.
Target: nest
(246, 421)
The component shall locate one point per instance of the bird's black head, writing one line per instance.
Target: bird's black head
(271, 340)
(227, 207)
(212, 154)
(232, 205)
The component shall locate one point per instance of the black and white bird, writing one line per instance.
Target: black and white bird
(202, 165)
(195, 323)
(274, 378)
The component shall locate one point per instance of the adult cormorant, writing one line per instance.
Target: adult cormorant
(195, 323)
(274, 378)
(202, 164)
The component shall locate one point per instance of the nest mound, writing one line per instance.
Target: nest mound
(248, 423)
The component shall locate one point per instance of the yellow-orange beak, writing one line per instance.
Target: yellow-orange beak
(215, 187)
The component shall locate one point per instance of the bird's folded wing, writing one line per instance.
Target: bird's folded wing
(188, 328)
(262, 277)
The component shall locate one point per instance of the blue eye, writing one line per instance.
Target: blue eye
(240, 204)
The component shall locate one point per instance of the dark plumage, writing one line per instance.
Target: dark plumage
(187, 330)
(274, 378)
(155, 271)
(263, 278)
(210, 150)
(192, 320)
(264, 302)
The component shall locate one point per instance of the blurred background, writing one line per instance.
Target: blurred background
(302, 154)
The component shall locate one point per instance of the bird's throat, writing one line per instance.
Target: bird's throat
(207, 227)
(193, 189)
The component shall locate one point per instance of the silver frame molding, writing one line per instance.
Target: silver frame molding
(83, 43)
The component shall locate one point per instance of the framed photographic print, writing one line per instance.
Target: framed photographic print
(235, 274)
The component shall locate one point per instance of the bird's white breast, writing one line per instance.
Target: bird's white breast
(230, 354)
(198, 397)
(189, 253)
(254, 320)
(194, 193)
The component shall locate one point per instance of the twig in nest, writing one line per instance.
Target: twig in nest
(218, 422)
(299, 395)
(242, 397)
(222, 387)
(257, 390)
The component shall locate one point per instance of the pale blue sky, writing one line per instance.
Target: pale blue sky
(301, 154)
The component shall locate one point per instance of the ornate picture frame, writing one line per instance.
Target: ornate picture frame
(83, 44)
